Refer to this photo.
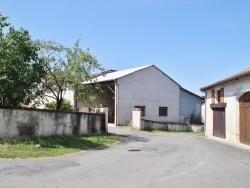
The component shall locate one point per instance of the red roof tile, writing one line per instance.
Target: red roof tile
(236, 76)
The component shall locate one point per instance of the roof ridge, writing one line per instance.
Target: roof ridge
(242, 73)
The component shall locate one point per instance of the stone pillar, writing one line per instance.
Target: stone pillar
(136, 118)
(105, 110)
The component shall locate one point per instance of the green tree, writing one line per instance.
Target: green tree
(68, 67)
(20, 72)
(66, 106)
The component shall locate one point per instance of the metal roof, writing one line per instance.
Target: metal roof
(243, 73)
(115, 75)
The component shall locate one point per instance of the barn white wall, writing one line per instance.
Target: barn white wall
(150, 88)
(232, 92)
(189, 104)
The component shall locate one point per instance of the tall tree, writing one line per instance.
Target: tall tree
(68, 67)
(20, 72)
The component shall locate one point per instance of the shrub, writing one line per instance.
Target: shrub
(66, 106)
(196, 119)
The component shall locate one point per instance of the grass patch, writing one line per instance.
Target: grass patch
(172, 132)
(53, 145)
(129, 127)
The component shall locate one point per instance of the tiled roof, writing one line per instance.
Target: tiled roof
(236, 76)
(116, 74)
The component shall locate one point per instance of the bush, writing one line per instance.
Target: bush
(196, 119)
(66, 106)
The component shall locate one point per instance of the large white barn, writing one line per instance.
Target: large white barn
(158, 96)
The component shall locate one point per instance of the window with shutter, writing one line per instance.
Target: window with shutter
(213, 96)
(222, 95)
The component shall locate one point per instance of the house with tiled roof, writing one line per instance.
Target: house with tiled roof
(159, 97)
(227, 108)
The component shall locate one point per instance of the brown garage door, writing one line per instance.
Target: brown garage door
(245, 118)
(219, 122)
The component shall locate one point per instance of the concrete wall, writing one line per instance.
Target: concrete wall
(232, 92)
(18, 122)
(151, 125)
(150, 88)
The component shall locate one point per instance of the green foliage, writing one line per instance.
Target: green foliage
(20, 72)
(196, 119)
(202, 97)
(65, 106)
(29, 69)
(53, 145)
(68, 67)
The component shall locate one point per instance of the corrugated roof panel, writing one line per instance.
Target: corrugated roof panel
(118, 74)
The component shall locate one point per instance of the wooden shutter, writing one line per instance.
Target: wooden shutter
(222, 95)
(213, 96)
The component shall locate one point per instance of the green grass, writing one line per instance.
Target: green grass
(53, 145)
(129, 127)
(172, 132)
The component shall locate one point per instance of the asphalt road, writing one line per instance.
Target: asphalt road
(140, 160)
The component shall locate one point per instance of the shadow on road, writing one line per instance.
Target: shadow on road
(131, 138)
(125, 140)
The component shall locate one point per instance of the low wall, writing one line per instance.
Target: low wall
(29, 122)
(152, 125)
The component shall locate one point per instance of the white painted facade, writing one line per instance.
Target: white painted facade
(68, 94)
(233, 90)
(151, 88)
(203, 110)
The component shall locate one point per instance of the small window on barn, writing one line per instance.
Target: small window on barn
(163, 111)
(142, 110)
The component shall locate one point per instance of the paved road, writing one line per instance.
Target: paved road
(140, 160)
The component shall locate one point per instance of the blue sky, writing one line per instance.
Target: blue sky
(195, 42)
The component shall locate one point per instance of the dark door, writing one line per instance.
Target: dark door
(219, 128)
(245, 119)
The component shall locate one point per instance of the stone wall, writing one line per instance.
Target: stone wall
(175, 127)
(29, 122)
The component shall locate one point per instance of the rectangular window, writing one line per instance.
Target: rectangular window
(213, 96)
(220, 95)
(163, 111)
(142, 110)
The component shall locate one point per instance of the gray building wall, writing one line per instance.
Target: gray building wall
(189, 103)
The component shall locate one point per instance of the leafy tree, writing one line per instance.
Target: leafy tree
(68, 67)
(66, 106)
(20, 72)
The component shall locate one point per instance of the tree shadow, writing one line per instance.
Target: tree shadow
(131, 138)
